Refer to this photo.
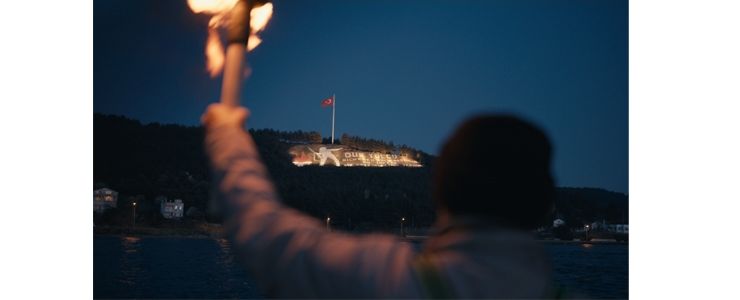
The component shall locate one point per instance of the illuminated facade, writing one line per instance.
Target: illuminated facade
(172, 209)
(337, 155)
(104, 199)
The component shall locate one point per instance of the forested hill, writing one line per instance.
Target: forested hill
(143, 161)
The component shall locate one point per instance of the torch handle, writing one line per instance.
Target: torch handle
(237, 37)
(233, 72)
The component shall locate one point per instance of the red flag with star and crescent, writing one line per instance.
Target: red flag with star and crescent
(327, 102)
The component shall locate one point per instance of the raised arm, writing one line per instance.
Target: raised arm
(289, 253)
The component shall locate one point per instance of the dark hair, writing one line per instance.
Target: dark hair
(498, 167)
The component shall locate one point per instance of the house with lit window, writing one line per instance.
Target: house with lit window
(104, 199)
(172, 209)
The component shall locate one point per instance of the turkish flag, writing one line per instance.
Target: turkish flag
(327, 102)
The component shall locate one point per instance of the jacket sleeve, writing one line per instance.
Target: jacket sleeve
(291, 254)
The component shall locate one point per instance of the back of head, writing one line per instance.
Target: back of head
(496, 167)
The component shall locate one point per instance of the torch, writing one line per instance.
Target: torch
(237, 37)
(242, 20)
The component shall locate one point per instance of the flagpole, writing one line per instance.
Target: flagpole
(333, 108)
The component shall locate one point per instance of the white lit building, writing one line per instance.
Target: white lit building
(103, 199)
(619, 228)
(172, 209)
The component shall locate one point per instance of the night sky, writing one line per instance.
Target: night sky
(402, 71)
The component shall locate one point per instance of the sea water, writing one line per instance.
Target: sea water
(181, 267)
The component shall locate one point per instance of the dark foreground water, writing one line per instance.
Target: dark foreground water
(591, 270)
(174, 267)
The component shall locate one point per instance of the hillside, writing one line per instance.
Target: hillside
(143, 161)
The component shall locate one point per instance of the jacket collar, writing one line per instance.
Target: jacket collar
(464, 231)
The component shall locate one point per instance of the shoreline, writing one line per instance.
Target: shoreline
(200, 231)
(215, 232)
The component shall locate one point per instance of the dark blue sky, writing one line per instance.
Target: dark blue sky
(404, 71)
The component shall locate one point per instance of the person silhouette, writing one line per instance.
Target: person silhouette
(491, 185)
(324, 154)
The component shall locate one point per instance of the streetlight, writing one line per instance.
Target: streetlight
(402, 220)
(328, 227)
(134, 218)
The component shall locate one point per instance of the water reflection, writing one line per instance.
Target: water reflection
(225, 257)
(130, 244)
(587, 245)
(234, 273)
(132, 269)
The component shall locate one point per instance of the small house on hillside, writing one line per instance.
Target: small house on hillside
(104, 199)
(172, 209)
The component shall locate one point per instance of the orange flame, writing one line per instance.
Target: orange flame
(211, 7)
(258, 18)
(214, 53)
